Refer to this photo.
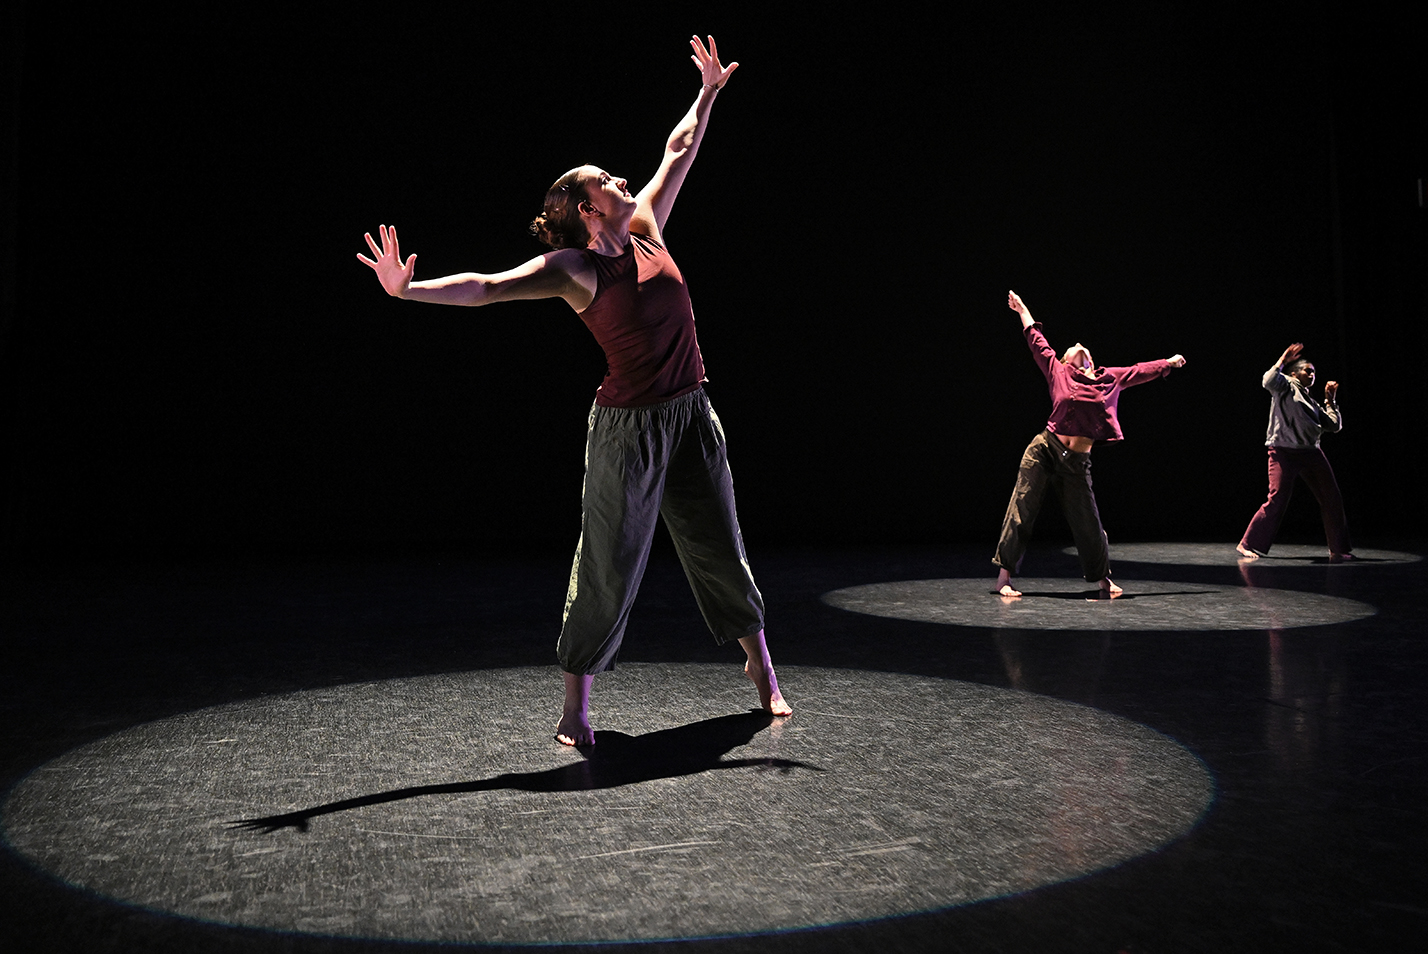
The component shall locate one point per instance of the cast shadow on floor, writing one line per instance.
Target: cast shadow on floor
(616, 759)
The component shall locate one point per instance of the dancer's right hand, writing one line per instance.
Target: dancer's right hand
(1290, 353)
(395, 276)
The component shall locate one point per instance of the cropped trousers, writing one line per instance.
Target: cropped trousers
(1047, 464)
(666, 460)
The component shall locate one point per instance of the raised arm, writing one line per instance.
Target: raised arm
(1041, 350)
(1275, 379)
(656, 199)
(1015, 303)
(560, 274)
(1331, 408)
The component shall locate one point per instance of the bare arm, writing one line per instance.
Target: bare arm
(560, 274)
(656, 199)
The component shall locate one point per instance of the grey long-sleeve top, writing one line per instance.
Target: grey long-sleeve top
(1295, 419)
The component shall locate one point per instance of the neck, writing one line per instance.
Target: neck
(609, 242)
(609, 234)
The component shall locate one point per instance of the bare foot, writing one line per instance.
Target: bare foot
(1341, 557)
(1109, 590)
(759, 668)
(1247, 554)
(1007, 591)
(766, 681)
(574, 729)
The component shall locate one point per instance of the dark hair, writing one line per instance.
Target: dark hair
(559, 224)
(1295, 365)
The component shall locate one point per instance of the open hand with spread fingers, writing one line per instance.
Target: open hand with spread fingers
(707, 59)
(394, 275)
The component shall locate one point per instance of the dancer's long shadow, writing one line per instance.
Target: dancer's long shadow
(616, 759)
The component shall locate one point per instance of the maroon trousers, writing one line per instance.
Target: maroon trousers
(1284, 466)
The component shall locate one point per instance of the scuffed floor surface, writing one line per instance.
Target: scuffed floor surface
(324, 757)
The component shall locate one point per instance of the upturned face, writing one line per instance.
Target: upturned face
(1078, 356)
(1304, 374)
(608, 195)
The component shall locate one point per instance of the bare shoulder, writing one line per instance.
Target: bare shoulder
(579, 270)
(568, 260)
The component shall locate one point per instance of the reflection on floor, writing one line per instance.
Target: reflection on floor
(1311, 725)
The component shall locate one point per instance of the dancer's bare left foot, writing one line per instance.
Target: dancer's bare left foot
(574, 726)
(1246, 553)
(1341, 557)
(574, 729)
(1109, 590)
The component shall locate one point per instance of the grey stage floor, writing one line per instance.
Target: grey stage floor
(357, 757)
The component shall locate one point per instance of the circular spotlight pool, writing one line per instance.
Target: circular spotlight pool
(439, 808)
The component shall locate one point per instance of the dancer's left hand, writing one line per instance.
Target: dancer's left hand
(1331, 391)
(1176, 361)
(713, 73)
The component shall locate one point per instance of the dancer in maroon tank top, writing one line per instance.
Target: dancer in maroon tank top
(655, 448)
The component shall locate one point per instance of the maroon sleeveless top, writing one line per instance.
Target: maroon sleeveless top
(642, 319)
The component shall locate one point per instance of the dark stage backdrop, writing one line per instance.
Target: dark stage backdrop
(194, 361)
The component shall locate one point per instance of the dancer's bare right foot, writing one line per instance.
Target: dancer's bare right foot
(766, 681)
(1109, 590)
(1004, 588)
(759, 668)
(1245, 552)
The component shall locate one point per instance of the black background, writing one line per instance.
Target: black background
(195, 363)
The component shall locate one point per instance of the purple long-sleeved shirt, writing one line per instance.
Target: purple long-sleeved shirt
(1084, 406)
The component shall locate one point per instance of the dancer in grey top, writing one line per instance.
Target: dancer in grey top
(1296, 421)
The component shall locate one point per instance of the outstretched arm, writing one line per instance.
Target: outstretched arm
(656, 199)
(1041, 350)
(552, 275)
(1015, 303)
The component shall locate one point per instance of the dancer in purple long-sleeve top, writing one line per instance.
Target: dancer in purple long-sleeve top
(1296, 421)
(1083, 413)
